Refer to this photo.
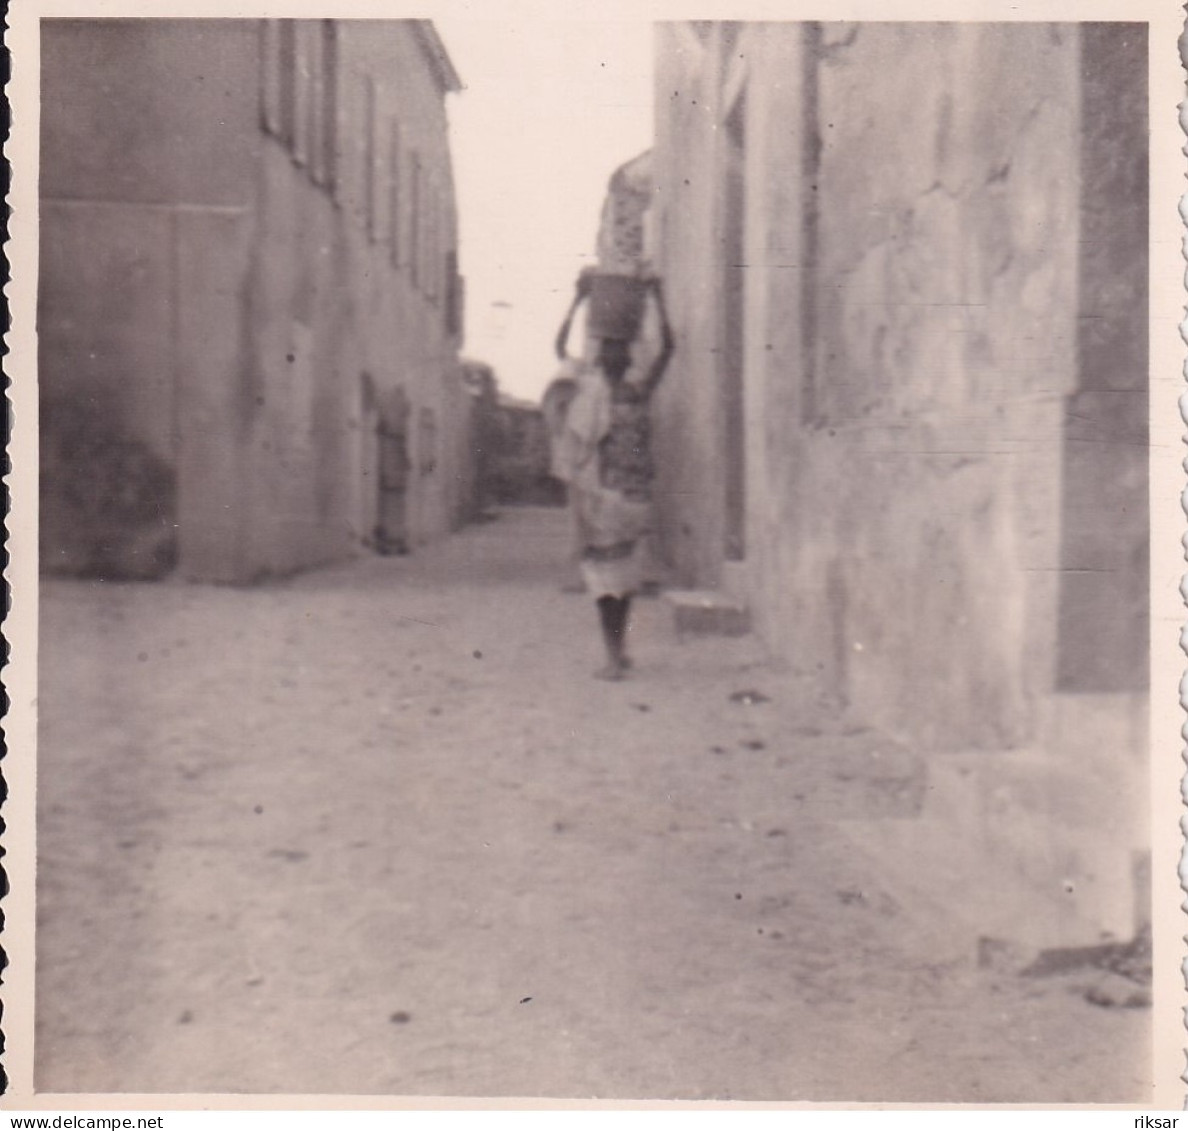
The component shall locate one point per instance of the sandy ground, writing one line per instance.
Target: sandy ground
(375, 830)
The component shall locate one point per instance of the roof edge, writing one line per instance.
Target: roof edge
(435, 51)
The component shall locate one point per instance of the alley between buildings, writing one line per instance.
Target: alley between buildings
(375, 830)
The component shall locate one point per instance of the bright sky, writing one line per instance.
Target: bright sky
(550, 109)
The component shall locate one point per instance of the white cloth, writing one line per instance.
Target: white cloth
(620, 577)
(555, 406)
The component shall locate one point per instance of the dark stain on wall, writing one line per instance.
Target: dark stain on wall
(108, 502)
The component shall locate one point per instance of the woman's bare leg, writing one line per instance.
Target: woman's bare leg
(612, 612)
(624, 613)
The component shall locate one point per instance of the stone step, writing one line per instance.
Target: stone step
(1010, 848)
(707, 612)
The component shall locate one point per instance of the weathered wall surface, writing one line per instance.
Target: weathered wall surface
(346, 293)
(1104, 554)
(129, 120)
(133, 109)
(945, 362)
(915, 297)
(248, 238)
(689, 457)
(941, 348)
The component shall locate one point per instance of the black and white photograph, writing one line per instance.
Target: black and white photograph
(601, 556)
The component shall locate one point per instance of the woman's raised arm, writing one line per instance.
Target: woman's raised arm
(582, 289)
(667, 344)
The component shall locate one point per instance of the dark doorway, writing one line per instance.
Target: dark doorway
(395, 467)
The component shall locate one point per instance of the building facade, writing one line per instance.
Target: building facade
(907, 419)
(249, 307)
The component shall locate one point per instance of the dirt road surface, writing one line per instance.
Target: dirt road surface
(375, 830)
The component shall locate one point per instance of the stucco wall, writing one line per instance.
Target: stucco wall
(215, 296)
(941, 348)
(914, 294)
(1104, 556)
(330, 302)
(689, 488)
(132, 110)
(130, 116)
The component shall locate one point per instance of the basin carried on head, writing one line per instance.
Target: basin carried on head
(615, 305)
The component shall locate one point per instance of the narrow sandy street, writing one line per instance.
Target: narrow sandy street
(443, 860)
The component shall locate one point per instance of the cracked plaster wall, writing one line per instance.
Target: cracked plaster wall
(914, 286)
(207, 313)
(943, 349)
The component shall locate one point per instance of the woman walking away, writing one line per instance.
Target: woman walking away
(609, 432)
